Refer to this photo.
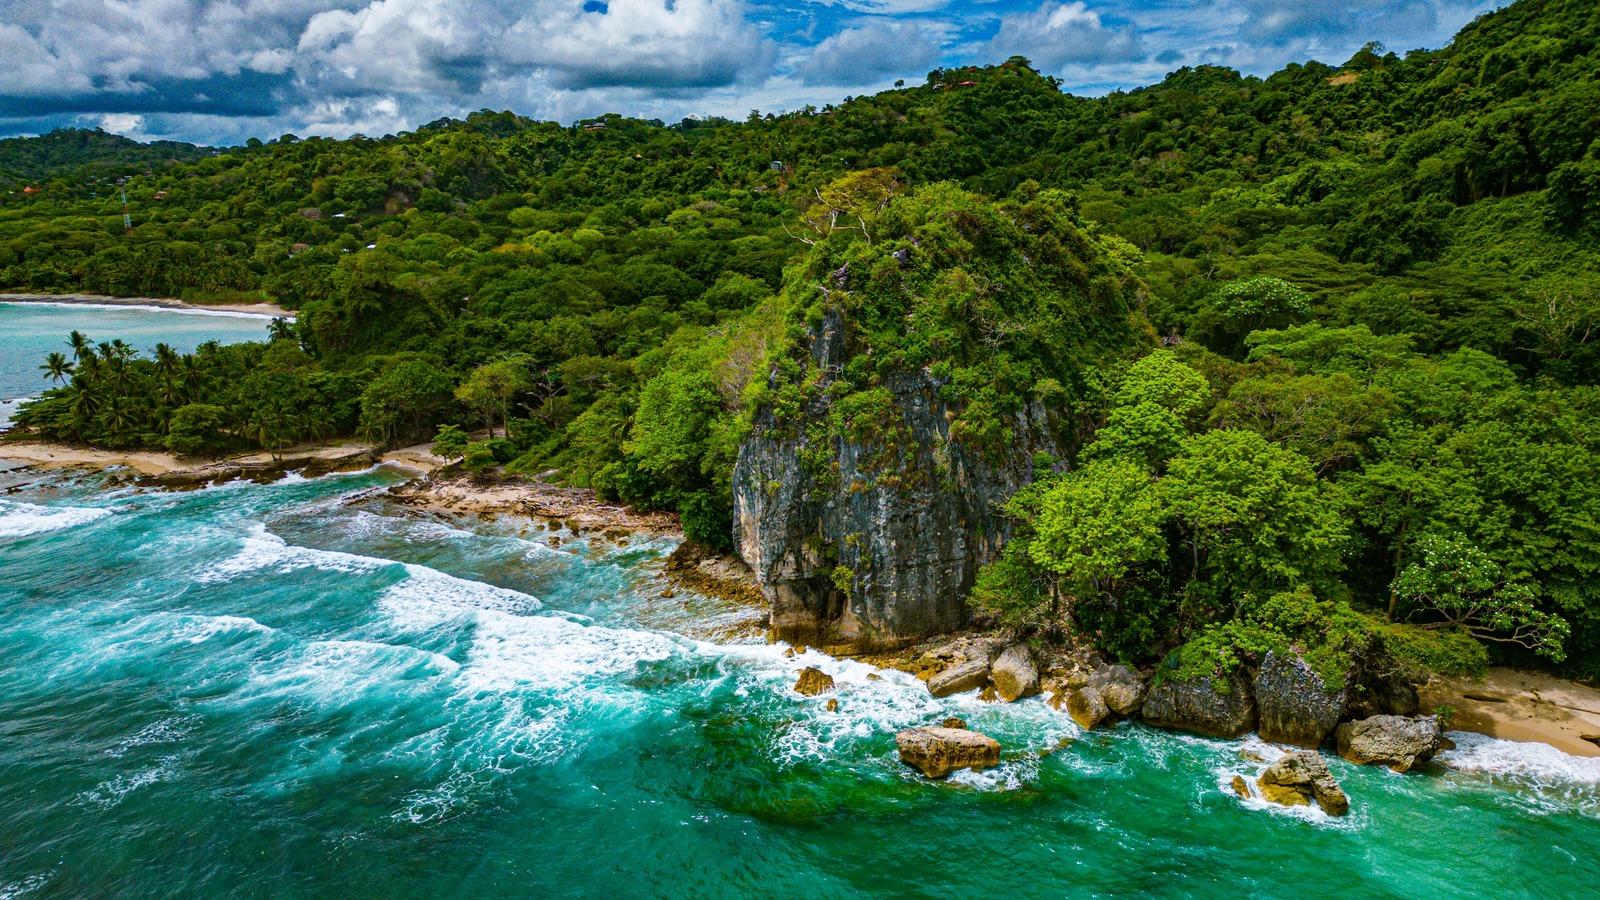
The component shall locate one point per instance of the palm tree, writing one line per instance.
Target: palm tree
(80, 345)
(281, 329)
(56, 368)
(166, 359)
(194, 375)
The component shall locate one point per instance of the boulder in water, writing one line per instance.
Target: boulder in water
(1014, 674)
(959, 678)
(1087, 707)
(1220, 706)
(1300, 777)
(1293, 704)
(1398, 742)
(939, 751)
(1120, 687)
(813, 681)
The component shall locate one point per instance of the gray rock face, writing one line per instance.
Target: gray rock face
(1301, 776)
(1293, 704)
(1014, 674)
(1221, 706)
(967, 676)
(1398, 742)
(906, 514)
(1122, 688)
(939, 751)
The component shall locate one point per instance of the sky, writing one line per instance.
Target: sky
(222, 71)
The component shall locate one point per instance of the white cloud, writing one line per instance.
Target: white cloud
(124, 124)
(1057, 35)
(870, 50)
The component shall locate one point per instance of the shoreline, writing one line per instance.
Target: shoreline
(1508, 704)
(251, 310)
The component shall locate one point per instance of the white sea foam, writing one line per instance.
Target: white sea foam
(1237, 765)
(429, 599)
(23, 519)
(547, 654)
(885, 704)
(199, 629)
(1554, 779)
(109, 793)
(167, 731)
(262, 551)
(16, 889)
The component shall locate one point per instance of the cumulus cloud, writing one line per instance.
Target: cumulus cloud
(669, 44)
(317, 60)
(870, 51)
(214, 70)
(1057, 35)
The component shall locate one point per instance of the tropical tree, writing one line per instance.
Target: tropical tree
(1463, 587)
(56, 367)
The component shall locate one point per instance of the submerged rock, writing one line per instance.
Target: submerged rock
(1293, 704)
(954, 722)
(1087, 707)
(813, 681)
(1014, 674)
(939, 751)
(1300, 777)
(1398, 742)
(960, 678)
(1220, 706)
(1122, 688)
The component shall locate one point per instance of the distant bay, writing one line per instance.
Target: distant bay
(29, 329)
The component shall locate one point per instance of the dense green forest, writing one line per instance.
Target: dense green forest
(1376, 286)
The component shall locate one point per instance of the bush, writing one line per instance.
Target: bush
(450, 443)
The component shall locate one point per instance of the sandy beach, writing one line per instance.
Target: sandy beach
(1522, 706)
(255, 309)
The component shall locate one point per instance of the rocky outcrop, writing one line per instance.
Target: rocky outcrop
(1387, 694)
(813, 681)
(1300, 777)
(1014, 674)
(1087, 707)
(872, 538)
(1293, 704)
(960, 678)
(1120, 687)
(1398, 742)
(1219, 706)
(939, 751)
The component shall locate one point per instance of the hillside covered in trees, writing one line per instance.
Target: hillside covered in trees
(1365, 387)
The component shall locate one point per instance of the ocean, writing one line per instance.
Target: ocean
(30, 330)
(305, 689)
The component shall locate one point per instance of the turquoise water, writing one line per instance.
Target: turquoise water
(304, 690)
(299, 689)
(30, 330)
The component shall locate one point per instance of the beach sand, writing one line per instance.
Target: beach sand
(258, 309)
(1521, 706)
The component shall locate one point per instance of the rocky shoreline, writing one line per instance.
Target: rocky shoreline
(1280, 698)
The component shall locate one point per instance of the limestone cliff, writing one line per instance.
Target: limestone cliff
(872, 552)
(928, 347)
